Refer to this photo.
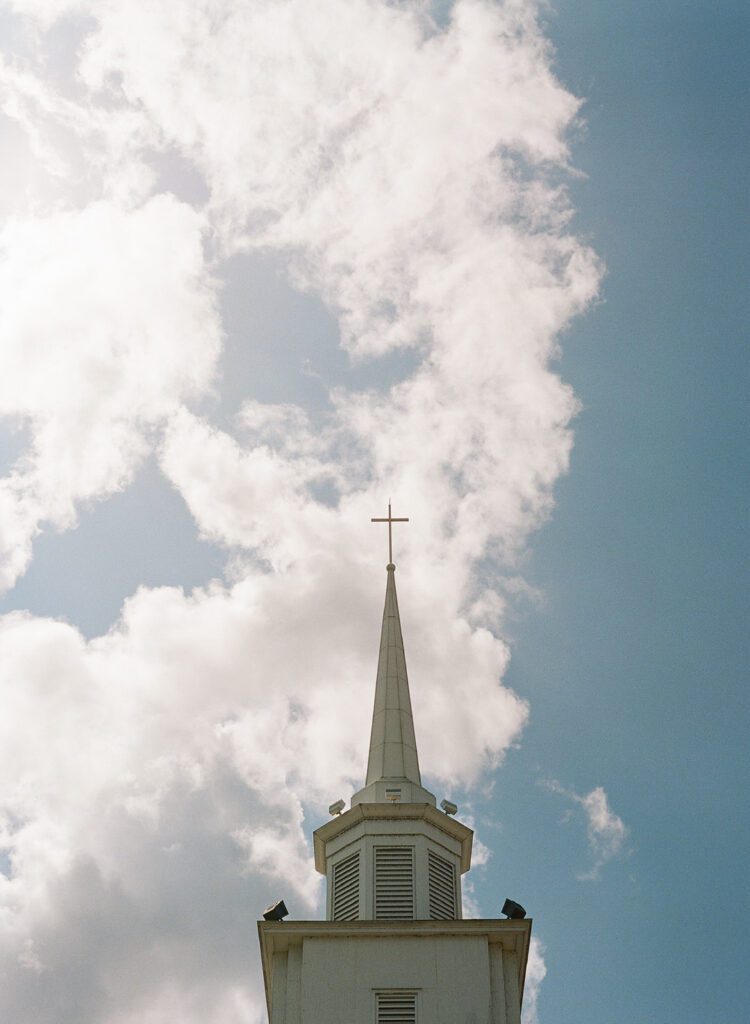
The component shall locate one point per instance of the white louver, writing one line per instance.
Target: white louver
(442, 886)
(394, 883)
(396, 1007)
(346, 889)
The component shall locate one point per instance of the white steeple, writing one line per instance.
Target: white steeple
(393, 762)
(393, 855)
(393, 946)
(393, 745)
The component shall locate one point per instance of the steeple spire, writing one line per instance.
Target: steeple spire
(393, 762)
(393, 745)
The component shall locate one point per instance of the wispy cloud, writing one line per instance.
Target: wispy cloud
(606, 832)
(412, 176)
(109, 324)
(536, 972)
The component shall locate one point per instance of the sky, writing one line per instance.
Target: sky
(266, 266)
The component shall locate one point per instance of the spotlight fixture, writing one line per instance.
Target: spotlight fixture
(513, 910)
(448, 807)
(337, 808)
(276, 912)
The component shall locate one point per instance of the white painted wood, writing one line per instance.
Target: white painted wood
(294, 985)
(512, 993)
(499, 1010)
(464, 972)
(393, 864)
(278, 1010)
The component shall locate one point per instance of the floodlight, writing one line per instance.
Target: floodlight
(513, 910)
(276, 912)
(337, 808)
(448, 807)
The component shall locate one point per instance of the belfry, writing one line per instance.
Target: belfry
(394, 948)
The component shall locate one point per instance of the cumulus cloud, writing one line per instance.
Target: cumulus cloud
(108, 324)
(409, 173)
(136, 813)
(606, 832)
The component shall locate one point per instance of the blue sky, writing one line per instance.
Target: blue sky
(644, 561)
(627, 636)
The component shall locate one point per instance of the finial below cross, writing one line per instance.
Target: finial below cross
(389, 520)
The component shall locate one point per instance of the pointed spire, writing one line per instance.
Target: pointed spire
(392, 763)
(393, 745)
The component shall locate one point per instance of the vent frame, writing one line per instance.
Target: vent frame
(442, 888)
(345, 888)
(396, 1006)
(394, 883)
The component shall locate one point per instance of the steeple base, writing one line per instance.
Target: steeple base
(397, 791)
(434, 972)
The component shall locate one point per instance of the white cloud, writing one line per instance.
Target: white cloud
(108, 324)
(154, 780)
(67, 152)
(536, 971)
(606, 832)
(159, 772)
(127, 807)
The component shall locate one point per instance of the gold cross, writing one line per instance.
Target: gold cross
(389, 520)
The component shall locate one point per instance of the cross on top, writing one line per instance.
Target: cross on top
(389, 520)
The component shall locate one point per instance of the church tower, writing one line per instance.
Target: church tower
(394, 948)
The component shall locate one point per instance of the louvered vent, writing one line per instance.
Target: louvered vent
(442, 882)
(394, 884)
(396, 1007)
(346, 889)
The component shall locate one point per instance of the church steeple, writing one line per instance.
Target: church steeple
(392, 855)
(393, 762)
(393, 745)
(394, 946)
